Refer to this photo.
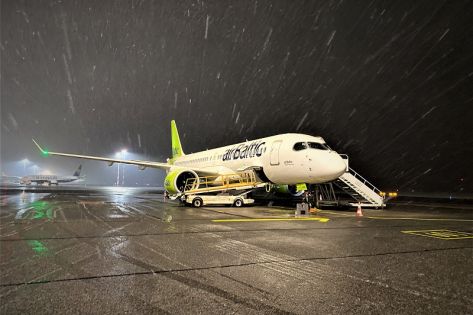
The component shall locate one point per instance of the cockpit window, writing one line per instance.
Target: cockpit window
(300, 146)
(318, 146)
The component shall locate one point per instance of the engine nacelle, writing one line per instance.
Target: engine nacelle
(175, 181)
(288, 190)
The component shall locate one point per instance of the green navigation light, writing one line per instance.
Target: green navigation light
(44, 152)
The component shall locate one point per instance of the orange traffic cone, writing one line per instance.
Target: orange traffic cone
(359, 213)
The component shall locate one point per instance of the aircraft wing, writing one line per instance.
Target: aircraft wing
(110, 161)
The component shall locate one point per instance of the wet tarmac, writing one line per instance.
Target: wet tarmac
(108, 251)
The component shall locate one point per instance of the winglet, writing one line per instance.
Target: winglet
(44, 152)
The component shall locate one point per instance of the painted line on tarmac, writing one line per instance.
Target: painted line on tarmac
(336, 213)
(397, 218)
(441, 234)
(323, 220)
(420, 219)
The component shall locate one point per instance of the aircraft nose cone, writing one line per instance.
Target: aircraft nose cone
(337, 166)
(334, 167)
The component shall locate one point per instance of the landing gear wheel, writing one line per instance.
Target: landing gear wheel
(197, 202)
(238, 203)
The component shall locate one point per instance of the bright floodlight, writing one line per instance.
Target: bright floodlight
(121, 152)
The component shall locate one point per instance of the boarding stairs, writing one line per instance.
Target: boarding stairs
(222, 183)
(360, 189)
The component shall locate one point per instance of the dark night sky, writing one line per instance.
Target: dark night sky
(388, 82)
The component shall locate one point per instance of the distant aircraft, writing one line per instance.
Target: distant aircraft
(9, 180)
(51, 179)
(285, 160)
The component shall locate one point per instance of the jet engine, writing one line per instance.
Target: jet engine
(288, 190)
(175, 181)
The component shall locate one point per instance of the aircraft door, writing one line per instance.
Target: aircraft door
(275, 152)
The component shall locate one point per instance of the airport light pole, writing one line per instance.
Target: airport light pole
(120, 155)
(117, 154)
(118, 171)
(24, 161)
(123, 152)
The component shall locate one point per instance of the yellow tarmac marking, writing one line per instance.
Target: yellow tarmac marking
(323, 220)
(420, 219)
(397, 218)
(441, 234)
(336, 213)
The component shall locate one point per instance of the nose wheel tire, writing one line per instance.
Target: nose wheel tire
(197, 202)
(238, 203)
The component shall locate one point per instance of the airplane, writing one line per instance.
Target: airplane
(284, 160)
(9, 180)
(51, 179)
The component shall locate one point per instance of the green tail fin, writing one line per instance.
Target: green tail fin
(176, 142)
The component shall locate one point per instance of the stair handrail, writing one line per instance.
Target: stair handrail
(358, 176)
(242, 178)
(364, 181)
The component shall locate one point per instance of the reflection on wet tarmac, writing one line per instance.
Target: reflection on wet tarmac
(38, 247)
(121, 247)
(42, 210)
(20, 199)
(39, 209)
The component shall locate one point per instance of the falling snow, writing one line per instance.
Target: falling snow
(390, 85)
(13, 121)
(331, 38)
(301, 121)
(206, 27)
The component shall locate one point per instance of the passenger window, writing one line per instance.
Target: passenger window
(318, 146)
(300, 146)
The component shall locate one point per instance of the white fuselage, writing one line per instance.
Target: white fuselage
(285, 159)
(49, 179)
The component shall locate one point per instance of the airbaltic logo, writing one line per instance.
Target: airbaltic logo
(244, 151)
